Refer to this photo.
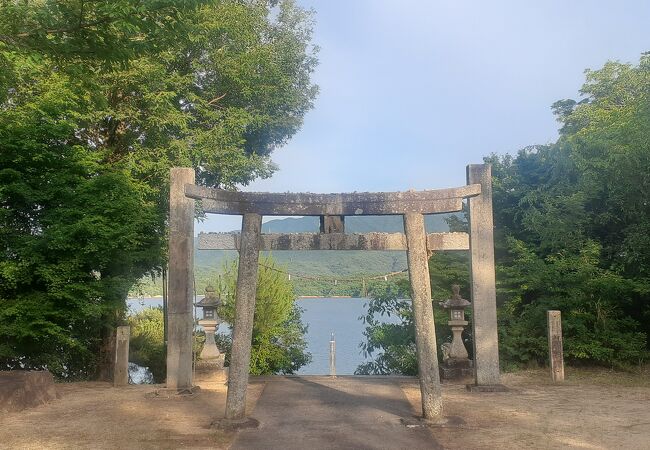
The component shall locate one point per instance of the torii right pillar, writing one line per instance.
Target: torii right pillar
(483, 284)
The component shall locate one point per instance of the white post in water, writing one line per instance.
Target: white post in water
(332, 356)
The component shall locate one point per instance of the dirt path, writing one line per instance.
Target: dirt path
(297, 413)
(591, 410)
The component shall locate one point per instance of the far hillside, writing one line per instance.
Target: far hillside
(344, 264)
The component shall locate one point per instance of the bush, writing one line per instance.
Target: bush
(278, 344)
(147, 346)
(592, 300)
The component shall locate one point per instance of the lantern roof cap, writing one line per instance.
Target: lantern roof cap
(210, 299)
(456, 301)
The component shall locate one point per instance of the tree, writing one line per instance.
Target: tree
(74, 234)
(98, 103)
(102, 30)
(570, 220)
(608, 135)
(392, 345)
(147, 345)
(278, 344)
(572, 227)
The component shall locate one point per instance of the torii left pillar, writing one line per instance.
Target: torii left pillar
(180, 281)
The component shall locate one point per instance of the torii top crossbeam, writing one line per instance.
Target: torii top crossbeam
(436, 201)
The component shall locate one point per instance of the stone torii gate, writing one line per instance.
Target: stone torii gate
(332, 209)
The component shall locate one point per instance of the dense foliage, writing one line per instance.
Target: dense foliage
(147, 345)
(98, 101)
(573, 220)
(392, 344)
(572, 232)
(279, 344)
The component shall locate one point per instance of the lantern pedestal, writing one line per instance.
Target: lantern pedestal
(211, 371)
(455, 369)
(457, 349)
(455, 362)
(209, 367)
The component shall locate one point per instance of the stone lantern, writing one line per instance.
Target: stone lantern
(210, 365)
(209, 304)
(456, 362)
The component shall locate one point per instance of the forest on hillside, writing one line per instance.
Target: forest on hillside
(332, 268)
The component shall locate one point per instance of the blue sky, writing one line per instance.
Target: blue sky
(411, 91)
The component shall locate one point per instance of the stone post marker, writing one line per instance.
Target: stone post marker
(121, 370)
(244, 312)
(555, 351)
(425, 332)
(180, 283)
(481, 247)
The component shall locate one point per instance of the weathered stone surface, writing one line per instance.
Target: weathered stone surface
(454, 369)
(22, 389)
(481, 242)
(555, 350)
(425, 332)
(210, 370)
(332, 224)
(447, 241)
(180, 322)
(350, 204)
(244, 312)
(334, 241)
(210, 349)
(457, 348)
(121, 370)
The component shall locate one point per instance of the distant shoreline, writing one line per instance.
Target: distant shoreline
(159, 297)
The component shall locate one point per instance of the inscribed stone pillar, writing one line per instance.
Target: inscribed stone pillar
(425, 332)
(121, 369)
(244, 312)
(481, 247)
(180, 281)
(555, 350)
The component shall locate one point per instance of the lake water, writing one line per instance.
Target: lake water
(323, 317)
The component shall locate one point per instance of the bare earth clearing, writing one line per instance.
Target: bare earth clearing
(591, 410)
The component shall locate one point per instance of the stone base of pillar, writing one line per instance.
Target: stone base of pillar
(454, 369)
(211, 370)
(235, 424)
(173, 393)
(443, 422)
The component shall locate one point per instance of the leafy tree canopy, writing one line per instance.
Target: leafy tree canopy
(98, 101)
